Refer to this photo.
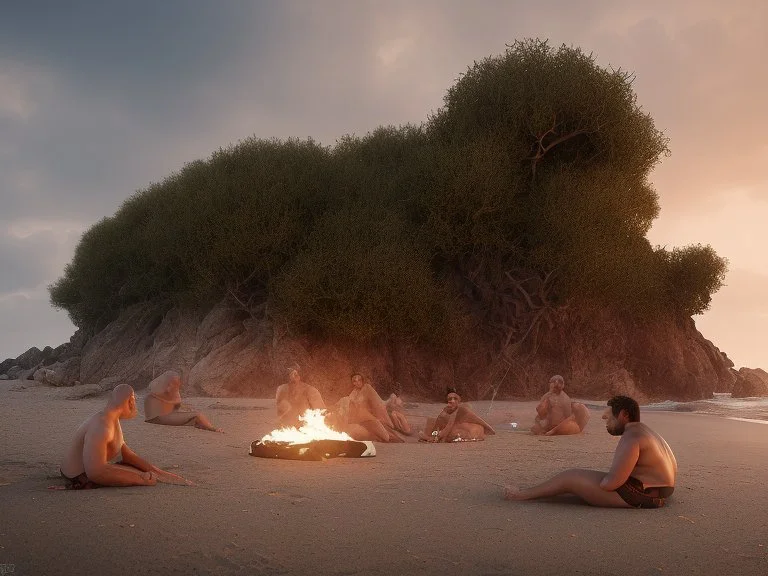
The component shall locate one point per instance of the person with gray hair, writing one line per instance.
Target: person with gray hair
(162, 405)
(99, 441)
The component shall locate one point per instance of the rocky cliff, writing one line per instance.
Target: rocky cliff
(227, 351)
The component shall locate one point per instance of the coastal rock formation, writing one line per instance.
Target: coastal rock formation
(232, 352)
(750, 382)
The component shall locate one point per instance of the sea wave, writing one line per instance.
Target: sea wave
(721, 405)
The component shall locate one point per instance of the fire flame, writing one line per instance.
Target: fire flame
(313, 428)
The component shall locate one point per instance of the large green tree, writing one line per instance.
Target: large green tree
(526, 191)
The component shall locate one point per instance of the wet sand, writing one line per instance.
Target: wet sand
(413, 509)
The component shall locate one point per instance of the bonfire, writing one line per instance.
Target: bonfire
(312, 440)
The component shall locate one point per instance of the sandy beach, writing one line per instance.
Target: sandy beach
(413, 509)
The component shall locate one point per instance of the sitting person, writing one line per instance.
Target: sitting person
(162, 405)
(99, 440)
(642, 474)
(296, 397)
(457, 422)
(363, 415)
(394, 406)
(556, 414)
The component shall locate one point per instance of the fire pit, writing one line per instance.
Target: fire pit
(313, 440)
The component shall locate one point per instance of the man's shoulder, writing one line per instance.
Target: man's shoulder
(309, 389)
(97, 425)
(636, 434)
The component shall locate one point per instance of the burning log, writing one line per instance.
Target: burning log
(315, 450)
(313, 440)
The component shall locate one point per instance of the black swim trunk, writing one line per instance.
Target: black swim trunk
(82, 482)
(79, 482)
(632, 493)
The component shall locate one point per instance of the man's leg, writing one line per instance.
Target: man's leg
(540, 426)
(467, 431)
(583, 483)
(195, 419)
(202, 422)
(565, 428)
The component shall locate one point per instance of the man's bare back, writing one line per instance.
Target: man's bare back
(656, 464)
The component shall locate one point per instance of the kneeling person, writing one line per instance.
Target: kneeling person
(99, 440)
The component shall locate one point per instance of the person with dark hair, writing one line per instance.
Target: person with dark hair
(456, 423)
(642, 474)
(296, 397)
(363, 415)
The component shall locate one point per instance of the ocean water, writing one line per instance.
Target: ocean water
(751, 409)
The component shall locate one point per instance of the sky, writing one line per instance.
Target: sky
(99, 99)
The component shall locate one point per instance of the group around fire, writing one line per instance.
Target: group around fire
(642, 473)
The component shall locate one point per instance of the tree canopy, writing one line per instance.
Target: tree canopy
(528, 189)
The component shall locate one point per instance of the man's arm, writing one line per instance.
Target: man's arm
(283, 404)
(378, 408)
(132, 459)
(543, 408)
(314, 398)
(443, 434)
(100, 471)
(624, 461)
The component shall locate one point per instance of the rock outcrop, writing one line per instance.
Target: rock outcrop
(227, 351)
(750, 382)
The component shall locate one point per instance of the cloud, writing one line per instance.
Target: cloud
(28, 321)
(15, 100)
(33, 253)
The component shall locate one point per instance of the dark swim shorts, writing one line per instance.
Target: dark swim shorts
(79, 482)
(632, 493)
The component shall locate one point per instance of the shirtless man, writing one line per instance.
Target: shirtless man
(363, 415)
(163, 405)
(642, 474)
(296, 397)
(99, 440)
(556, 414)
(456, 423)
(395, 409)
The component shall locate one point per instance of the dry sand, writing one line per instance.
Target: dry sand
(413, 509)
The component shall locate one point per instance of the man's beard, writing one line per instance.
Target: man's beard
(618, 430)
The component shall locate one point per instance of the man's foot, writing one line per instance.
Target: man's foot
(511, 493)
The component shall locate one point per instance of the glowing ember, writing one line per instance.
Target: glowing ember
(313, 428)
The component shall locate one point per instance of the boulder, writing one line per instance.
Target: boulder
(30, 358)
(14, 372)
(5, 365)
(750, 382)
(87, 391)
(45, 376)
(67, 372)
